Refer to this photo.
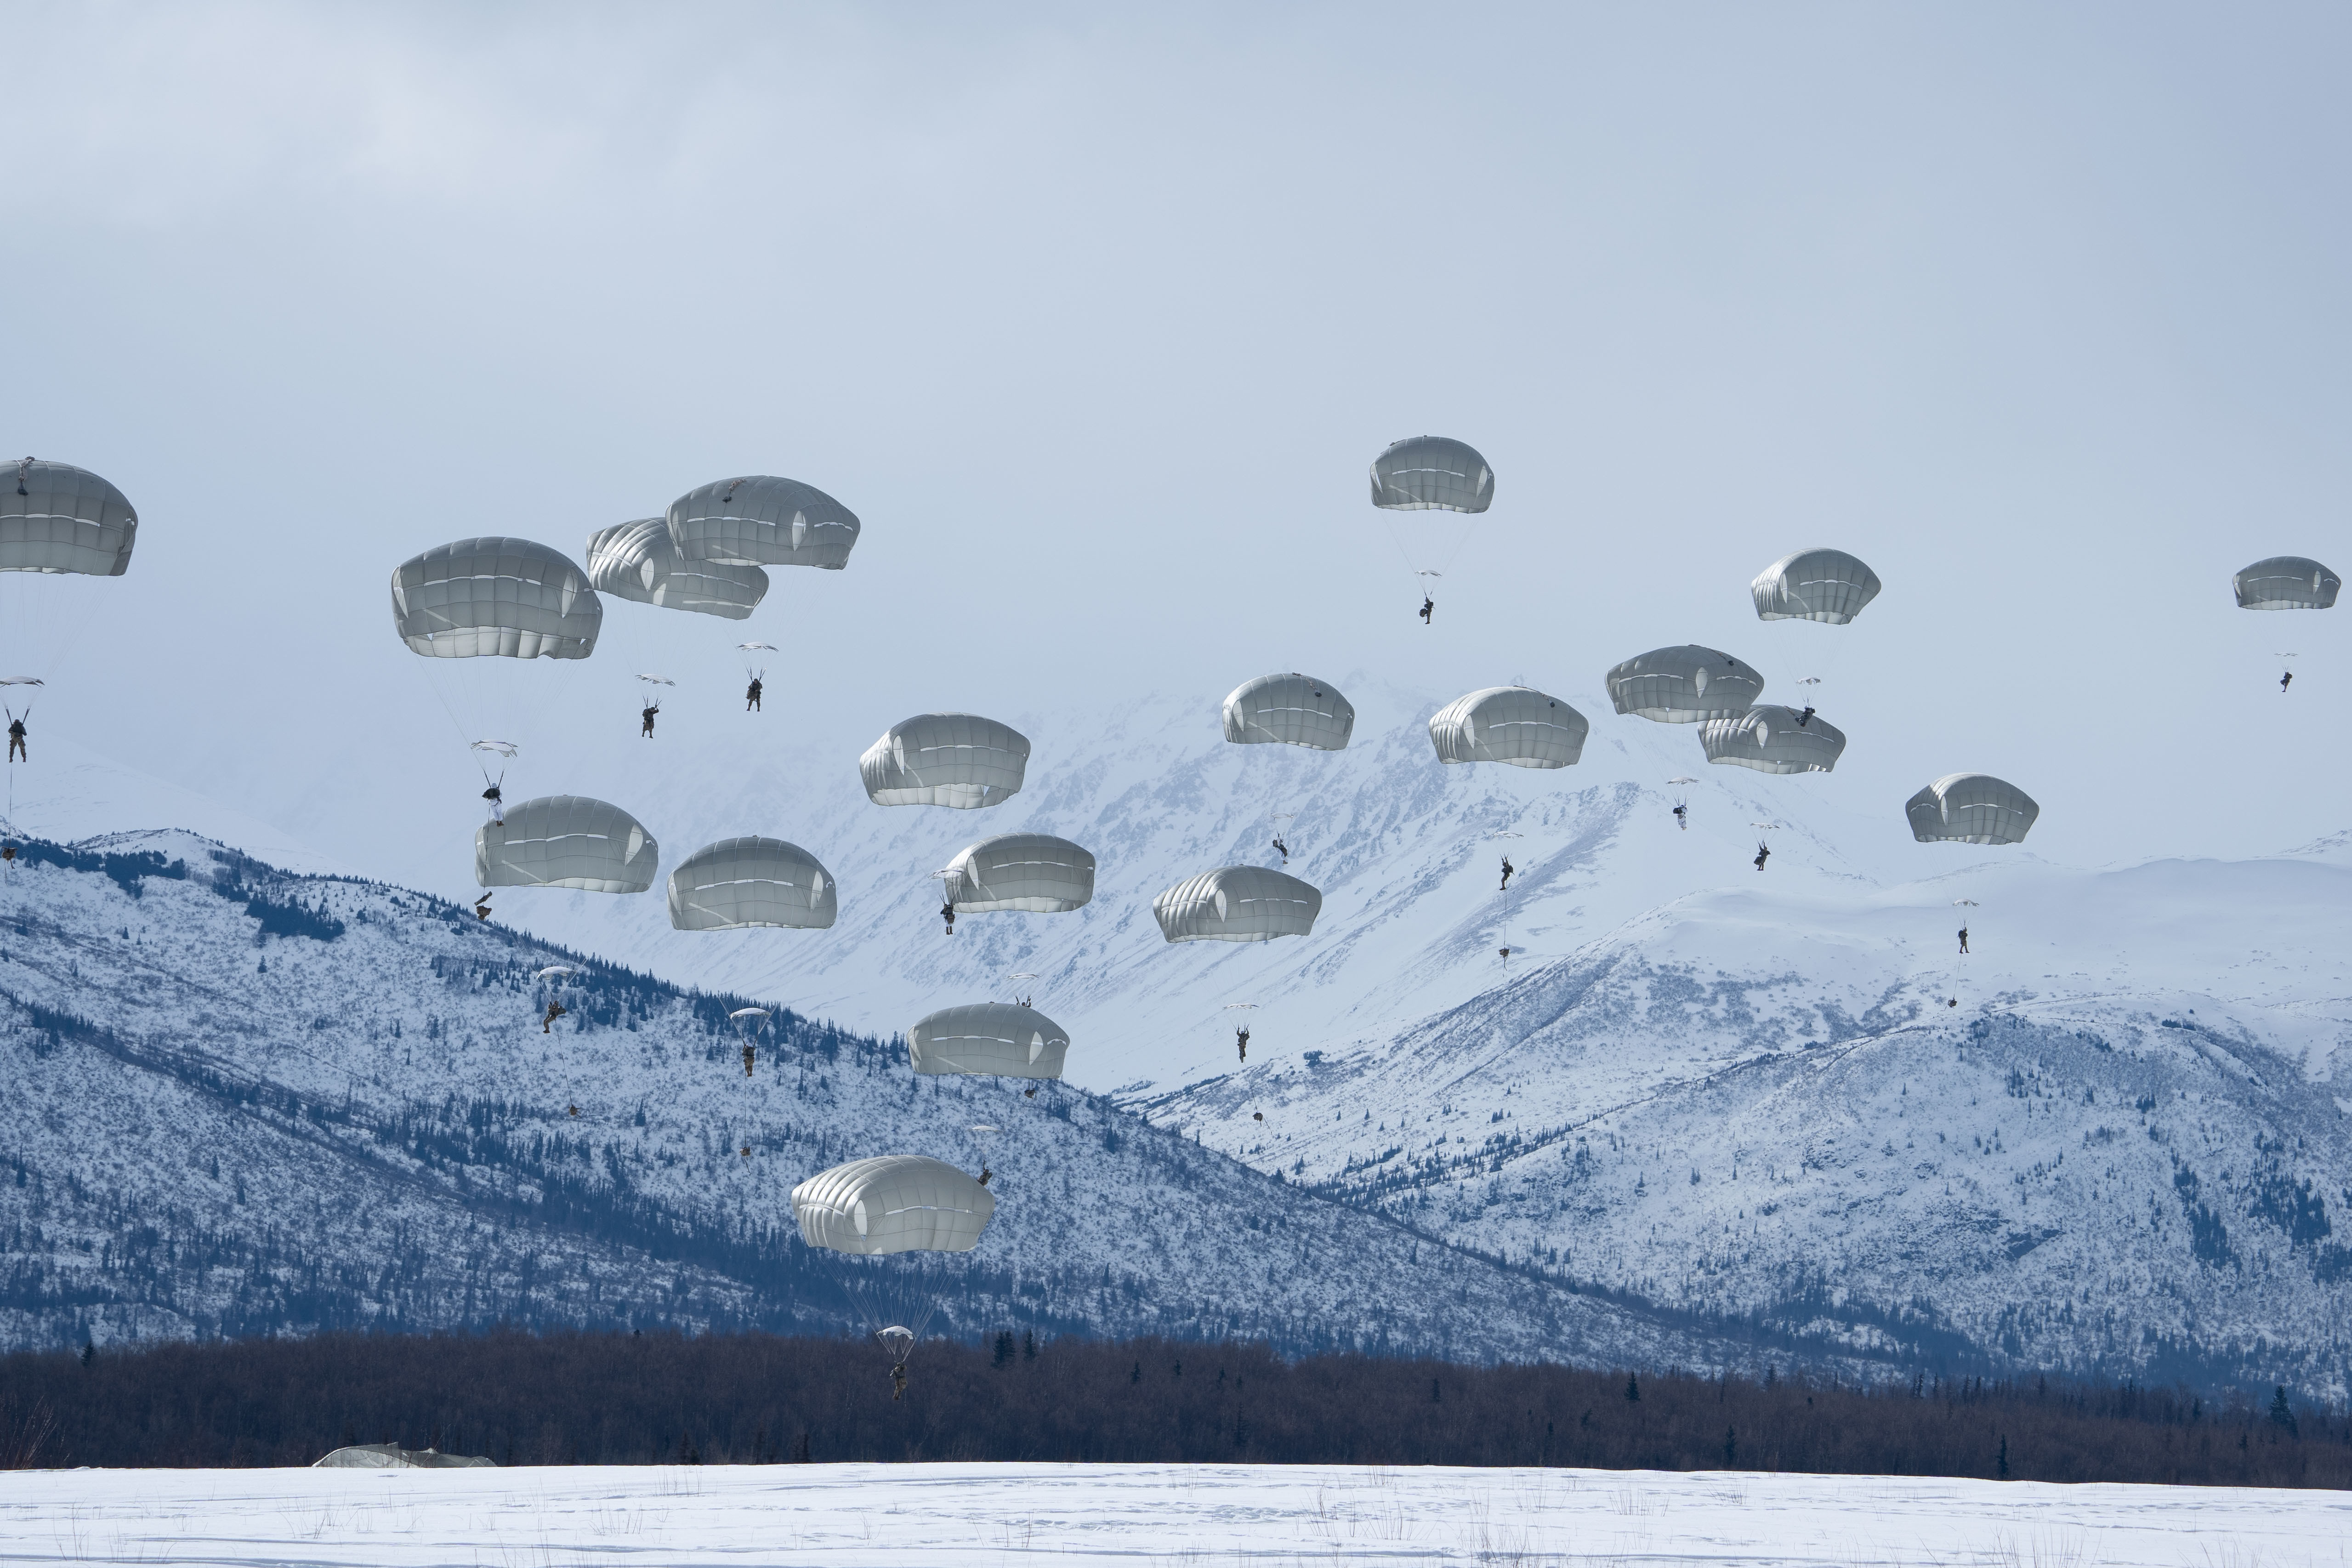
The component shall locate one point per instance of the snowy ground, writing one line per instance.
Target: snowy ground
(865, 1515)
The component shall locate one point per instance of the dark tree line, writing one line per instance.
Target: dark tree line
(609, 1398)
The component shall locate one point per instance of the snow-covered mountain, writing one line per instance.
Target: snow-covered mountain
(2113, 1138)
(1405, 851)
(2123, 1149)
(242, 1102)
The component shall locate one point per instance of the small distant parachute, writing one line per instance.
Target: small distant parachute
(639, 561)
(1431, 473)
(1684, 685)
(1512, 724)
(1769, 738)
(1001, 1040)
(566, 841)
(1971, 808)
(1827, 586)
(1290, 709)
(892, 1202)
(507, 598)
(2286, 583)
(739, 883)
(1237, 904)
(762, 520)
(506, 748)
(1036, 873)
(60, 519)
(555, 971)
(957, 759)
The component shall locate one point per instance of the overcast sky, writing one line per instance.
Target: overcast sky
(1095, 316)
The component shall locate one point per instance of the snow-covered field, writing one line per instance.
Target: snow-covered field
(870, 1515)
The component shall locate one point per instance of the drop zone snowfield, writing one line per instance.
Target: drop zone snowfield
(866, 1516)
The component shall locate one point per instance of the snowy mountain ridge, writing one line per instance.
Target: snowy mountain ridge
(246, 1102)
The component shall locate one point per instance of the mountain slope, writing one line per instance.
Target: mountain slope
(2125, 1151)
(245, 1101)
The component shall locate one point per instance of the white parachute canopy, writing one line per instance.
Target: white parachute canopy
(566, 841)
(1826, 585)
(762, 520)
(893, 1203)
(495, 598)
(506, 748)
(1512, 724)
(1431, 473)
(957, 759)
(1031, 871)
(1291, 710)
(1237, 904)
(1000, 1039)
(1684, 685)
(2286, 583)
(58, 519)
(1971, 808)
(63, 531)
(1769, 738)
(639, 561)
(738, 883)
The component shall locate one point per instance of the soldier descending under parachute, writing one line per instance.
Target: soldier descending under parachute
(1682, 802)
(749, 1022)
(1241, 1031)
(553, 977)
(652, 707)
(495, 792)
(757, 677)
(1763, 845)
(889, 1204)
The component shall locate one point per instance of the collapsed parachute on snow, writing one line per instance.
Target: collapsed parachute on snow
(2286, 583)
(639, 561)
(1290, 709)
(1031, 871)
(1512, 724)
(1237, 904)
(1971, 808)
(743, 882)
(566, 841)
(1684, 685)
(892, 1202)
(1827, 586)
(1001, 1039)
(762, 520)
(1431, 473)
(1769, 738)
(506, 598)
(60, 519)
(957, 759)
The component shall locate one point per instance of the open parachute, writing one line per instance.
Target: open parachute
(892, 1202)
(762, 520)
(566, 841)
(739, 883)
(1237, 904)
(1001, 1040)
(1030, 871)
(640, 560)
(1512, 724)
(1773, 740)
(1971, 808)
(957, 759)
(1290, 709)
(495, 598)
(1684, 685)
